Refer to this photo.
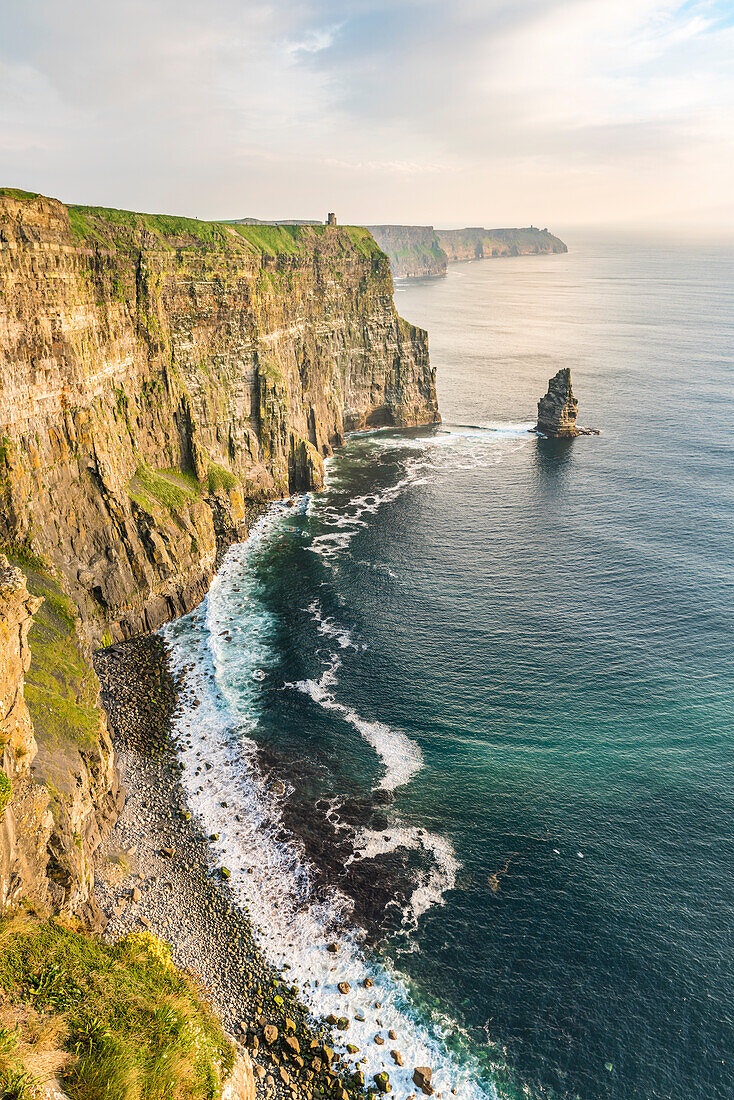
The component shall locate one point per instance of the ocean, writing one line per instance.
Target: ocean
(468, 713)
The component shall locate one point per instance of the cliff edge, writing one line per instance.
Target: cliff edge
(420, 251)
(159, 378)
(158, 373)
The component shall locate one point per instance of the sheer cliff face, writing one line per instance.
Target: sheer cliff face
(420, 251)
(414, 250)
(558, 409)
(59, 788)
(157, 373)
(482, 244)
(20, 864)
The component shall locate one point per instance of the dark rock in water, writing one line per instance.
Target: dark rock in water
(557, 411)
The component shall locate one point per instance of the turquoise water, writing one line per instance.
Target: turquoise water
(494, 676)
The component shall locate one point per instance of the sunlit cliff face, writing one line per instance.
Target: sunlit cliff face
(556, 112)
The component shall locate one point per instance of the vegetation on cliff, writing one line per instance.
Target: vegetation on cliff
(188, 367)
(61, 687)
(156, 374)
(6, 790)
(106, 1020)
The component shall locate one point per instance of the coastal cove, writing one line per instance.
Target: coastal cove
(469, 707)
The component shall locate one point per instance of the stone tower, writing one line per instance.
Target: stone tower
(331, 220)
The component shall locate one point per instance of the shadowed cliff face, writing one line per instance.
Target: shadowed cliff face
(482, 244)
(59, 789)
(414, 250)
(157, 373)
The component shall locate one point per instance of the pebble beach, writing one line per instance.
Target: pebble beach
(156, 874)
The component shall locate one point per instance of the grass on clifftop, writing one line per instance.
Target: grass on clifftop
(18, 194)
(110, 1021)
(128, 230)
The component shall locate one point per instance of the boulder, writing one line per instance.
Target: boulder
(422, 1078)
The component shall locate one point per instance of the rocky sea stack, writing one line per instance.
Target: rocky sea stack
(557, 411)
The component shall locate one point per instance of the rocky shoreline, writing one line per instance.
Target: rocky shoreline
(155, 873)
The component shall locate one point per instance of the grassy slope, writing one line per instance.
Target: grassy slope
(114, 1021)
(61, 687)
(125, 229)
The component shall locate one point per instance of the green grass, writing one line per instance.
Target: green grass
(219, 478)
(126, 229)
(16, 1083)
(363, 241)
(170, 489)
(185, 479)
(277, 240)
(22, 555)
(61, 687)
(16, 193)
(6, 790)
(132, 1026)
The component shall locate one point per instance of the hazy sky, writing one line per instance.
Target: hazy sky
(494, 112)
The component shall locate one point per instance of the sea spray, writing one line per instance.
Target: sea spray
(232, 800)
(219, 649)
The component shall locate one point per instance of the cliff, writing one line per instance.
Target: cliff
(158, 376)
(482, 244)
(61, 786)
(156, 373)
(414, 250)
(419, 251)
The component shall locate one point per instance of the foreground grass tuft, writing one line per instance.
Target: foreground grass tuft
(128, 1024)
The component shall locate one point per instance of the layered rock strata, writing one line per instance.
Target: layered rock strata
(414, 250)
(482, 244)
(420, 251)
(558, 409)
(159, 378)
(156, 373)
(61, 789)
(22, 841)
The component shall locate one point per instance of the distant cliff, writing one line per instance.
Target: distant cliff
(414, 250)
(419, 251)
(482, 244)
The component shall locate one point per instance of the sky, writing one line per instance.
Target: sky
(558, 113)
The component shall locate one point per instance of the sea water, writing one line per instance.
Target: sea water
(468, 712)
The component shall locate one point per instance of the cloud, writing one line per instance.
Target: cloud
(551, 111)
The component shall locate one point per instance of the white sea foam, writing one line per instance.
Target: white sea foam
(219, 648)
(450, 449)
(329, 628)
(401, 757)
(270, 877)
(432, 885)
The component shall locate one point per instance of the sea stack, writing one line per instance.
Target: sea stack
(558, 409)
